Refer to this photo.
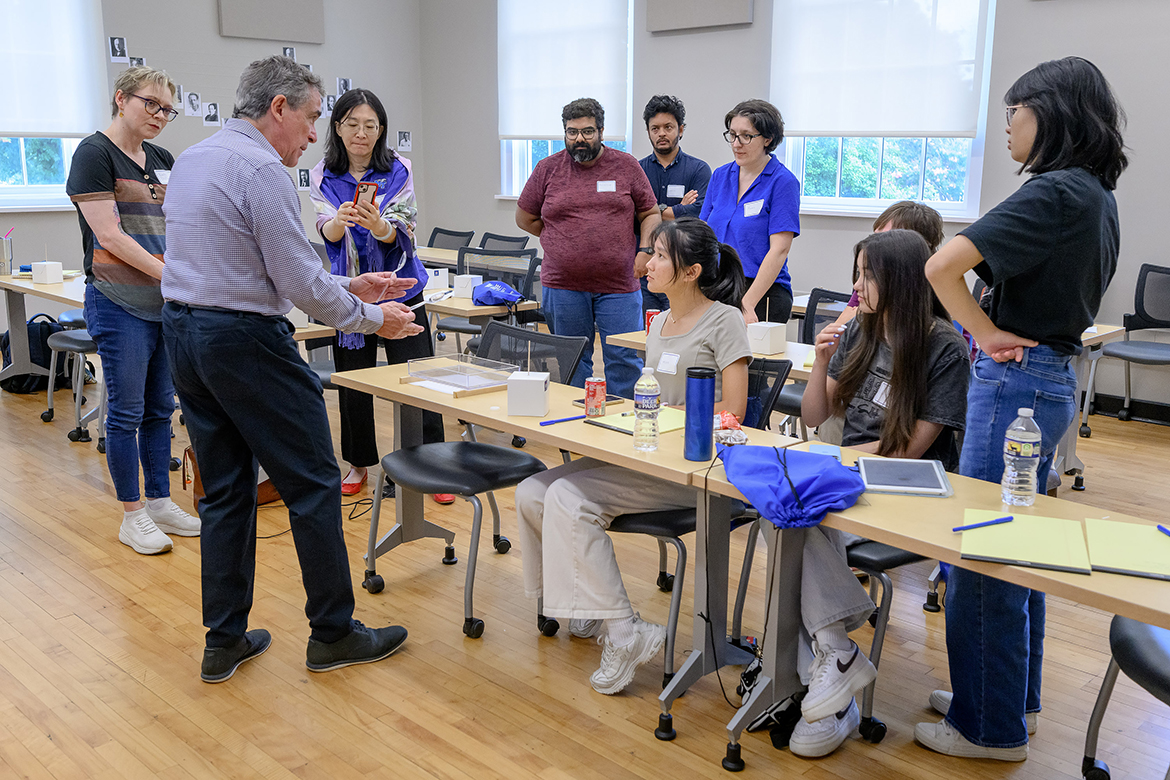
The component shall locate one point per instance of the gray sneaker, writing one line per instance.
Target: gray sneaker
(362, 646)
(618, 664)
(220, 663)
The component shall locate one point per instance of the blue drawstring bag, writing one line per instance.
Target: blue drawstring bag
(791, 488)
(495, 293)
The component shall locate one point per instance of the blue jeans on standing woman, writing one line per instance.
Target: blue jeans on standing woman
(577, 313)
(140, 398)
(995, 630)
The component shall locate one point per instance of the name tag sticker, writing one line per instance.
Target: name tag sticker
(668, 363)
(607, 186)
(675, 191)
(753, 208)
(164, 177)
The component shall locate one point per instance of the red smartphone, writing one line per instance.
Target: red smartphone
(366, 190)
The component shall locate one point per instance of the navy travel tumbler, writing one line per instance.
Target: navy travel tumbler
(698, 440)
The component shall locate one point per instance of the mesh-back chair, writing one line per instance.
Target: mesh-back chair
(514, 267)
(441, 238)
(468, 468)
(497, 241)
(1151, 303)
(824, 306)
(669, 525)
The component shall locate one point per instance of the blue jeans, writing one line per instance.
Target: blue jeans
(995, 630)
(139, 397)
(574, 313)
(653, 300)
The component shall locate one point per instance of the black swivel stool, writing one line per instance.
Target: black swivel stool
(77, 343)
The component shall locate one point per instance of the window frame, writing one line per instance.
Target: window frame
(516, 162)
(39, 197)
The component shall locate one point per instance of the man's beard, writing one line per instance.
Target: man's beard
(669, 146)
(584, 152)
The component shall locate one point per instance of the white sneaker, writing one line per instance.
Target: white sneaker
(172, 520)
(584, 629)
(813, 740)
(139, 532)
(837, 675)
(940, 702)
(618, 664)
(943, 738)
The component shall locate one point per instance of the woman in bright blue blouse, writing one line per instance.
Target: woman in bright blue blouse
(753, 204)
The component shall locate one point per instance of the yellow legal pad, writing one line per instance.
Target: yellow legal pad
(1040, 542)
(1128, 548)
(668, 420)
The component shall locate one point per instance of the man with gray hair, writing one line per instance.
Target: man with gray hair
(237, 260)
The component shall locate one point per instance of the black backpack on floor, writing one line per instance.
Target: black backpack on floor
(39, 353)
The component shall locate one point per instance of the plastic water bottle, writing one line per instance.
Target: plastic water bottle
(1021, 459)
(647, 394)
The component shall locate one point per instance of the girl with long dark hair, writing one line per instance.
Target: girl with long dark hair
(1048, 252)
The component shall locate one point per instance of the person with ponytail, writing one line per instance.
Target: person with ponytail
(564, 512)
(1048, 252)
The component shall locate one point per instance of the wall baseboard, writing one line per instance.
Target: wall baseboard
(1142, 411)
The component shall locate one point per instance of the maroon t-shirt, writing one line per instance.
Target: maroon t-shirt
(590, 220)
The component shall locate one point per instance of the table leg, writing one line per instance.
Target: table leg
(18, 338)
(1066, 461)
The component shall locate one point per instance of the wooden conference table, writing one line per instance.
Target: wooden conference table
(433, 256)
(796, 352)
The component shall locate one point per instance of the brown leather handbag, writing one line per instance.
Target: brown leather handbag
(265, 491)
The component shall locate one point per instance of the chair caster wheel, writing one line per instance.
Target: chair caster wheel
(79, 434)
(373, 583)
(1124, 414)
(101, 445)
(1079, 483)
(175, 464)
(547, 626)
(1085, 432)
(665, 730)
(473, 627)
(873, 618)
(732, 762)
(519, 441)
(47, 415)
(449, 558)
(1092, 769)
(501, 544)
(872, 730)
(182, 420)
(665, 582)
(931, 604)
(440, 337)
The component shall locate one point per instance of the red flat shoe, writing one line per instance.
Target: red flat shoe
(444, 498)
(353, 488)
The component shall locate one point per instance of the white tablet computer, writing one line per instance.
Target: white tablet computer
(900, 475)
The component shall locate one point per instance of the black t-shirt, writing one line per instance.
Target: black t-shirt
(946, 390)
(1049, 251)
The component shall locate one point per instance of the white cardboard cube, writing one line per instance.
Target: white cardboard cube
(528, 393)
(438, 278)
(47, 272)
(465, 284)
(767, 338)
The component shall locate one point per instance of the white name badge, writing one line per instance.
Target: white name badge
(882, 395)
(607, 186)
(753, 208)
(164, 177)
(668, 363)
(675, 190)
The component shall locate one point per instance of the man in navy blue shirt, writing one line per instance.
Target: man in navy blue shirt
(679, 180)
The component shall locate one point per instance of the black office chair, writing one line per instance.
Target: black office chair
(766, 377)
(441, 238)
(468, 468)
(513, 266)
(824, 306)
(1151, 303)
(1141, 651)
(497, 241)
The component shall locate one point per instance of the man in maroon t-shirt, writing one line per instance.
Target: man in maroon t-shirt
(587, 203)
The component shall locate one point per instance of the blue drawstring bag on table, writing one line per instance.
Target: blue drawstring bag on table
(791, 488)
(495, 293)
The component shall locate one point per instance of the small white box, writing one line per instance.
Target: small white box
(528, 393)
(46, 273)
(767, 338)
(438, 278)
(465, 284)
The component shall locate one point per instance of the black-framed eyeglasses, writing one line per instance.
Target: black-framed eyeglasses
(153, 107)
(743, 138)
(588, 133)
(1011, 112)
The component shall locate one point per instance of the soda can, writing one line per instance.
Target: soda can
(594, 397)
(651, 314)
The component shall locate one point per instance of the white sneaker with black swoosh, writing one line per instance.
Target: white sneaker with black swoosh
(837, 676)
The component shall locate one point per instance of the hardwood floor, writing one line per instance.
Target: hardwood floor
(100, 650)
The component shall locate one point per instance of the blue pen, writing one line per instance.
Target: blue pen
(563, 419)
(996, 521)
(1164, 529)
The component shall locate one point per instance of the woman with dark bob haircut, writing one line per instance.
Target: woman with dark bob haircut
(1048, 252)
(362, 237)
(753, 204)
